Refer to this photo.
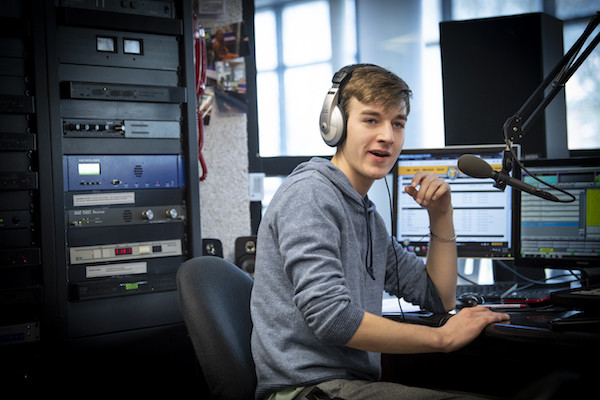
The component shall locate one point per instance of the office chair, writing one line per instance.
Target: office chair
(215, 299)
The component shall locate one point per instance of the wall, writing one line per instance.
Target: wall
(224, 200)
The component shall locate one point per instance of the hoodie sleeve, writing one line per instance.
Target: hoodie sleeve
(309, 239)
(407, 277)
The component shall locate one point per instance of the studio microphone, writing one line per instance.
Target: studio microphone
(475, 167)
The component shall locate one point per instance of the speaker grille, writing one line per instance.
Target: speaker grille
(127, 216)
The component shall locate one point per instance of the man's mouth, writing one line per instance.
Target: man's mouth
(379, 153)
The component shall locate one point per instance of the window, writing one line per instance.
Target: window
(298, 48)
(432, 75)
(583, 94)
(469, 9)
(296, 56)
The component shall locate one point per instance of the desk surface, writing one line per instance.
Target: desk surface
(506, 358)
(526, 325)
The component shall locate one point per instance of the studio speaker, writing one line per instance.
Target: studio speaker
(245, 253)
(490, 67)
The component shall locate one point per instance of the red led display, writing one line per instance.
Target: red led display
(123, 251)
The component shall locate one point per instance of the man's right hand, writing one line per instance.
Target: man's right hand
(467, 324)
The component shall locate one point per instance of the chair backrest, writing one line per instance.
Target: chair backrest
(215, 300)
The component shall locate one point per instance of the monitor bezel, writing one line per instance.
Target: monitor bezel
(550, 263)
(464, 149)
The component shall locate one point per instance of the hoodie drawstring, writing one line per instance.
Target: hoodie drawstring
(369, 254)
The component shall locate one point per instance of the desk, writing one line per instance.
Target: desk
(506, 359)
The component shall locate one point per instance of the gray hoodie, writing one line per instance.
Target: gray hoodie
(324, 257)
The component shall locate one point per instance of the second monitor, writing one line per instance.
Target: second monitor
(483, 217)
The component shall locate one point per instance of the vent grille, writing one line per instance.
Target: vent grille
(138, 171)
(127, 216)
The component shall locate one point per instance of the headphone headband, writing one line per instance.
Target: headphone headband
(343, 75)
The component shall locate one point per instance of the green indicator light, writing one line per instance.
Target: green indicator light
(131, 286)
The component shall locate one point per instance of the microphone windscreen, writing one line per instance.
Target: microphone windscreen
(475, 167)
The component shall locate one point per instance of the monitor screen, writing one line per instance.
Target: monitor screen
(560, 235)
(483, 216)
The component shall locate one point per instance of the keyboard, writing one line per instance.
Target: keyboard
(493, 293)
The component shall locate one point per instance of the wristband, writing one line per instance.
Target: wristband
(441, 239)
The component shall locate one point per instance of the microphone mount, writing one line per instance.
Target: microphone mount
(507, 167)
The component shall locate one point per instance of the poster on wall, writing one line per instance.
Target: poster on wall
(227, 47)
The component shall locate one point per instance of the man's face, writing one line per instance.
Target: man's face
(374, 139)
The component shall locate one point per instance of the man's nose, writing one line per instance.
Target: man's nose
(386, 134)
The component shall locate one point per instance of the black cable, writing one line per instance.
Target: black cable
(387, 186)
(467, 279)
(516, 159)
(535, 282)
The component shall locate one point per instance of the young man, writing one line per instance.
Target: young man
(324, 257)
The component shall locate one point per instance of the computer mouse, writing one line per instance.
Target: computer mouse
(468, 300)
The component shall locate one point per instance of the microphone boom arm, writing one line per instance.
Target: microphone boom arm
(518, 124)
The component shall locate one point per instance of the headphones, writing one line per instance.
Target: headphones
(332, 121)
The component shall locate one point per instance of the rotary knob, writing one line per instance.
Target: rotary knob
(172, 213)
(148, 214)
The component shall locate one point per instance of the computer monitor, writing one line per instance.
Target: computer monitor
(483, 215)
(560, 235)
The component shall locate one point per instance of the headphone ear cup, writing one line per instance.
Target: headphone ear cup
(337, 128)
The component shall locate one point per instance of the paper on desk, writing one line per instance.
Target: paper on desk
(390, 306)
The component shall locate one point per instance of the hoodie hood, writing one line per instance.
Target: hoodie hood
(332, 173)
